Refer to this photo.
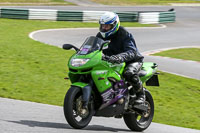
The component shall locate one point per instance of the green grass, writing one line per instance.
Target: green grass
(183, 53)
(106, 2)
(34, 71)
(177, 101)
(34, 2)
(143, 2)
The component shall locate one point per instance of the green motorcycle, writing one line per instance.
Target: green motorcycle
(99, 89)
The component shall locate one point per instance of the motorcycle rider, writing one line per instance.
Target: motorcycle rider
(122, 48)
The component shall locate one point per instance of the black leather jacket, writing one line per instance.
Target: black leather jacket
(122, 44)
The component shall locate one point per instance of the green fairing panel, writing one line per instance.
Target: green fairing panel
(79, 84)
(147, 66)
(101, 81)
(73, 77)
(118, 67)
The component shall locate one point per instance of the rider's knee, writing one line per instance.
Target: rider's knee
(131, 76)
(128, 75)
(135, 78)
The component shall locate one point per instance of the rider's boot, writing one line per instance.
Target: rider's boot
(140, 97)
(140, 93)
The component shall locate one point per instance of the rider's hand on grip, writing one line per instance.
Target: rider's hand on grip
(112, 59)
(105, 57)
(115, 59)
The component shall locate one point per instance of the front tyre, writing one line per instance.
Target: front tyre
(140, 121)
(76, 116)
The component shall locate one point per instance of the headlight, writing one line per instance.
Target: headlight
(79, 62)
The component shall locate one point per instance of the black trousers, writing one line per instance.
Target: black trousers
(131, 75)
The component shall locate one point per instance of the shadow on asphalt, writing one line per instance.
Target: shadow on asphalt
(42, 124)
(66, 126)
(103, 128)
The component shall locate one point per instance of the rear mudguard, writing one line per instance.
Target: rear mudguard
(86, 89)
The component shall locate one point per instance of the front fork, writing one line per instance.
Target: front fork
(86, 90)
(86, 95)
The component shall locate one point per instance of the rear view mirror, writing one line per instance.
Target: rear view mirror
(105, 44)
(69, 46)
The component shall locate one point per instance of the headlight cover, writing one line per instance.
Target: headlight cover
(78, 62)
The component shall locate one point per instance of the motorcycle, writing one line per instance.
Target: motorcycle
(99, 89)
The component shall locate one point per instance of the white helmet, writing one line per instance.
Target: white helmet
(109, 18)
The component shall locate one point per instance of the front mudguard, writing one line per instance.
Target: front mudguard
(86, 90)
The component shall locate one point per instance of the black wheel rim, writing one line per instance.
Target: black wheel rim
(144, 118)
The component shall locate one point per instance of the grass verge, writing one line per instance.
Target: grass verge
(143, 2)
(177, 101)
(34, 2)
(34, 71)
(182, 53)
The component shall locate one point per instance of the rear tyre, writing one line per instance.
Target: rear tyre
(75, 115)
(140, 122)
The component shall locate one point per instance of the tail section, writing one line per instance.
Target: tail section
(149, 74)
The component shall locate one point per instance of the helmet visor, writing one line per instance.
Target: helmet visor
(106, 27)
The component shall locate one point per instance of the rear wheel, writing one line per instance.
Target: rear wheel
(76, 116)
(140, 121)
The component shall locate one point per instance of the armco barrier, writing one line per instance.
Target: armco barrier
(149, 17)
(156, 17)
(14, 13)
(87, 16)
(166, 17)
(69, 16)
(92, 16)
(128, 16)
(42, 14)
(124, 16)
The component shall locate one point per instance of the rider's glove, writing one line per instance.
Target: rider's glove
(115, 59)
(105, 57)
(120, 58)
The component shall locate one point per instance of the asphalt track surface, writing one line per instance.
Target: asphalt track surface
(28, 117)
(21, 116)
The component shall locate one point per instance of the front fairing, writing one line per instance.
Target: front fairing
(89, 54)
(94, 59)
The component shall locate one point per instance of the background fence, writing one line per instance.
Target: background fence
(157, 17)
(87, 16)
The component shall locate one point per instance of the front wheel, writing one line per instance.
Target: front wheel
(139, 122)
(76, 116)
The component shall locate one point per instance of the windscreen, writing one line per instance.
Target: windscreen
(90, 45)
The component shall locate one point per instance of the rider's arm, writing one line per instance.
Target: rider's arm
(129, 49)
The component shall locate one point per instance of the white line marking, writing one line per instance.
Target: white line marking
(35, 32)
(164, 49)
